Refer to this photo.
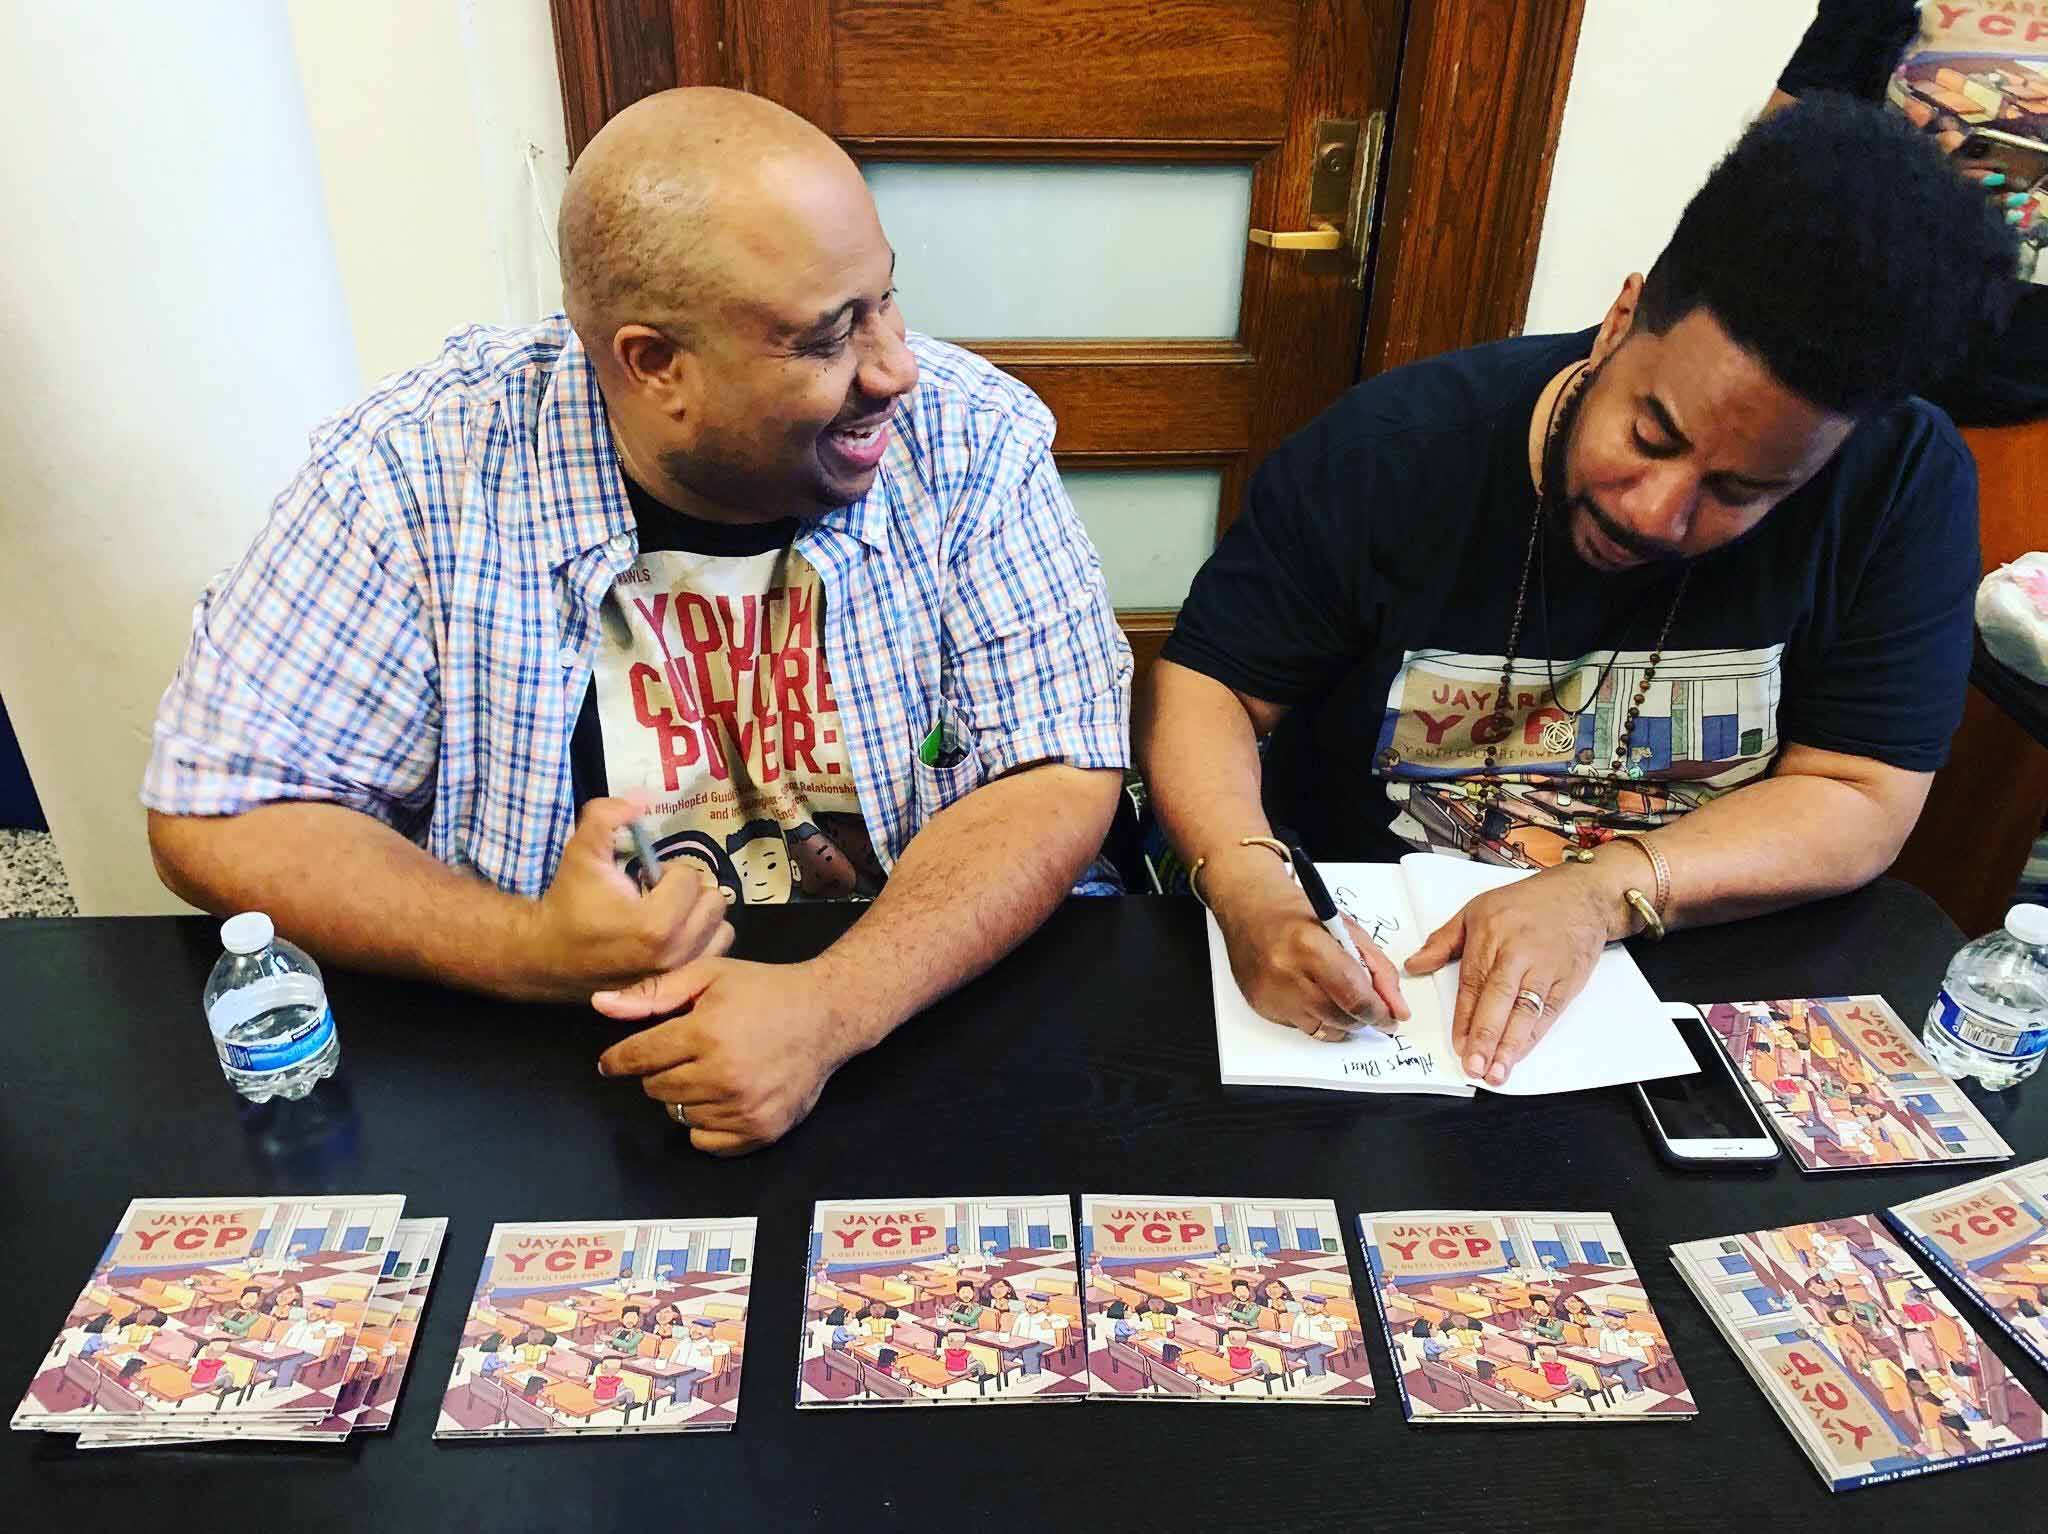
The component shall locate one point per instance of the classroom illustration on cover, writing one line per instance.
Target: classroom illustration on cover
(1992, 1237)
(1209, 1299)
(942, 1301)
(371, 1381)
(607, 1326)
(1865, 1359)
(1844, 1084)
(1519, 1315)
(241, 1308)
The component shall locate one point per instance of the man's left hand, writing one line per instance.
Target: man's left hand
(1541, 935)
(744, 1048)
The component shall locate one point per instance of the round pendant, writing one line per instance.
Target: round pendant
(1558, 735)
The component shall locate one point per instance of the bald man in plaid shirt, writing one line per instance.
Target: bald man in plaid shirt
(725, 548)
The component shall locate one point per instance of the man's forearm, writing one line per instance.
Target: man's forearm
(973, 883)
(1199, 750)
(353, 890)
(1774, 843)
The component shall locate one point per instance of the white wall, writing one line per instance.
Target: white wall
(174, 324)
(1659, 92)
(423, 114)
(225, 217)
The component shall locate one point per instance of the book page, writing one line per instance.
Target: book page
(1254, 1051)
(1613, 1032)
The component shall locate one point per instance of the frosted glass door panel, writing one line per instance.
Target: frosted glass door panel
(999, 252)
(1152, 527)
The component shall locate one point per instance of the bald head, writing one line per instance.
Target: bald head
(677, 197)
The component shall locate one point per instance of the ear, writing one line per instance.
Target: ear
(1621, 318)
(660, 370)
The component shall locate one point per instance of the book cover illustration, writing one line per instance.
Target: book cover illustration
(1867, 1362)
(376, 1368)
(1991, 1236)
(236, 1309)
(1844, 1084)
(1214, 1299)
(1519, 1317)
(612, 1326)
(942, 1301)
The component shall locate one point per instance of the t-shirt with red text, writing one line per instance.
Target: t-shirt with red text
(712, 692)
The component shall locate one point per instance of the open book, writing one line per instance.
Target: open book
(1614, 1032)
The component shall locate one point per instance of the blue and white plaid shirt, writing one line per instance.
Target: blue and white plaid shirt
(412, 632)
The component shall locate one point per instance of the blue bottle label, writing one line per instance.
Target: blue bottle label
(1974, 1034)
(282, 1054)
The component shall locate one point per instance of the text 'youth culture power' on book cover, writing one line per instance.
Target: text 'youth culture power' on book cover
(1844, 1084)
(246, 1309)
(941, 1302)
(1863, 1357)
(610, 1326)
(1519, 1317)
(1220, 1299)
(1991, 1236)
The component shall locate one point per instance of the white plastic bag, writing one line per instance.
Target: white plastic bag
(2012, 615)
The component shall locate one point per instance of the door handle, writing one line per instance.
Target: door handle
(1325, 238)
(1342, 184)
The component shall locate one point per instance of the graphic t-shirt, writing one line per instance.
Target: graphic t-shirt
(712, 692)
(1953, 70)
(1370, 586)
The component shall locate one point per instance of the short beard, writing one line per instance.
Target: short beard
(1556, 488)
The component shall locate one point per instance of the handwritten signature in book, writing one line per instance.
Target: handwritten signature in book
(1378, 926)
(1402, 1061)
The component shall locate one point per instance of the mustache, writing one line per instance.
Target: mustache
(1624, 538)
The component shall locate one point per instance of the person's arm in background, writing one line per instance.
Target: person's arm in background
(1850, 47)
(1272, 615)
(1043, 681)
(303, 727)
(1864, 731)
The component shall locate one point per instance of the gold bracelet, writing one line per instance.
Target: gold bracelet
(1279, 850)
(1653, 924)
(1662, 899)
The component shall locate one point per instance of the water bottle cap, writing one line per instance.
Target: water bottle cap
(252, 932)
(2028, 923)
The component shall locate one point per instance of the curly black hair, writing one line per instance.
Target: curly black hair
(1840, 247)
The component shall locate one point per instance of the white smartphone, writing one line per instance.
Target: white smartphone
(1707, 1116)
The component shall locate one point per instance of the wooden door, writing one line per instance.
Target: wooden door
(1164, 133)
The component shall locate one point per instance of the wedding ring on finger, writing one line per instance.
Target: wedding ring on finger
(1528, 1000)
(680, 1114)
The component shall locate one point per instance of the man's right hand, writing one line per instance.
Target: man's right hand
(1290, 969)
(595, 929)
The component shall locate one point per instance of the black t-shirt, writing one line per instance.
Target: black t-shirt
(1371, 582)
(1946, 69)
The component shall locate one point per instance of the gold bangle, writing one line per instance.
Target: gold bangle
(1662, 899)
(1653, 924)
(1278, 848)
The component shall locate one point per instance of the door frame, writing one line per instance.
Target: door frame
(1461, 201)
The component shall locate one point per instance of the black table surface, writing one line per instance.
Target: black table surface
(1086, 1062)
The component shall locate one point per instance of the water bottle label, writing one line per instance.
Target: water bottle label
(1976, 1034)
(282, 1054)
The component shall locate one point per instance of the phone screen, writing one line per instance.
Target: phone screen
(1707, 1105)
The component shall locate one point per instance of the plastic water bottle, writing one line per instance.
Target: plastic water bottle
(266, 1007)
(1991, 1018)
